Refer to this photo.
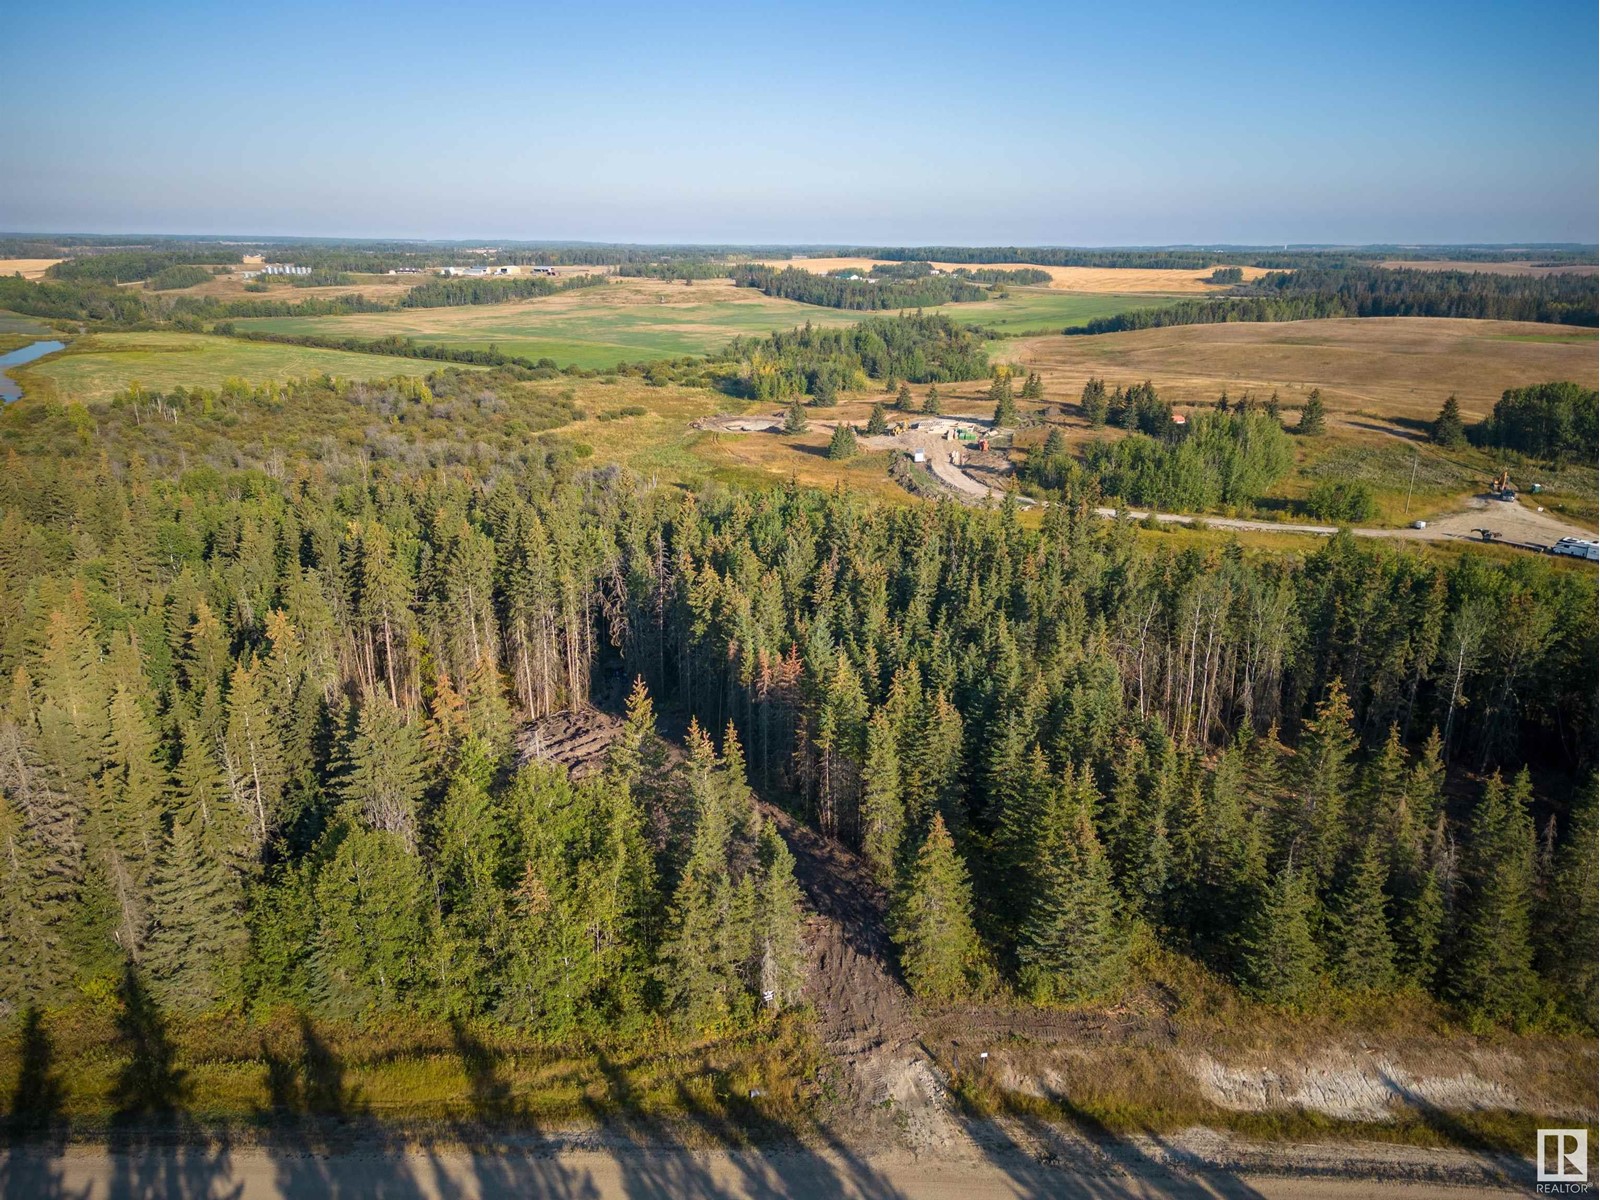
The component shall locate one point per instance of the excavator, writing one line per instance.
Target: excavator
(1501, 488)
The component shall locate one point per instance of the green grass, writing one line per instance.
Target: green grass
(14, 323)
(589, 329)
(1029, 310)
(594, 335)
(408, 1072)
(99, 366)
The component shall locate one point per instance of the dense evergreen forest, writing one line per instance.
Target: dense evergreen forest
(446, 293)
(906, 291)
(1567, 299)
(822, 362)
(1550, 421)
(266, 651)
(126, 266)
(1315, 293)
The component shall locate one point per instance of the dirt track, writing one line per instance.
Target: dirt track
(254, 1173)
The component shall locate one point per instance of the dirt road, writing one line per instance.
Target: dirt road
(256, 1173)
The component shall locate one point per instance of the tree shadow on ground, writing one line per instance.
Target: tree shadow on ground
(1076, 1154)
(35, 1128)
(156, 1148)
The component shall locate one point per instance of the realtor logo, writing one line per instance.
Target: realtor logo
(1563, 1156)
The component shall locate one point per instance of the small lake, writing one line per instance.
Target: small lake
(10, 389)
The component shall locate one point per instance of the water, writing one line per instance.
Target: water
(10, 389)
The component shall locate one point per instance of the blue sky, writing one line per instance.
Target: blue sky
(1100, 124)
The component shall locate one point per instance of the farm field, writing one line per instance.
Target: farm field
(1153, 281)
(1384, 367)
(232, 287)
(632, 320)
(28, 268)
(101, 365)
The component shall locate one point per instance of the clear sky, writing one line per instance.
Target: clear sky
(1054, 123)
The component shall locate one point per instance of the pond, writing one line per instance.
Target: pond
(10, 389)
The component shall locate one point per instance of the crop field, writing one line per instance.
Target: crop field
(103, 364)
(630, 320)
(633, 320)
(232, 287)
(1387, 368)
(1093, 280)
(28, 268)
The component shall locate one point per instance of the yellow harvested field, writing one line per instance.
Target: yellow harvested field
(1499, 268)
(28, 268)
(1066, 279)
(1383, 368)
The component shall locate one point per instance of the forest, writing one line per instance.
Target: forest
(127, 266)
(916, 291)
(1216, 460)
(820, 362)
(1567, 299)
(268, 650)
(1550, 421)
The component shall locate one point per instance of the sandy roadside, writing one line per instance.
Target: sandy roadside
(255, 1173)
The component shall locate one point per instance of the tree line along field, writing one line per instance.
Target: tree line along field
(1129, 280)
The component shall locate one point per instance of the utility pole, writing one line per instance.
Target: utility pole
(1416, 456)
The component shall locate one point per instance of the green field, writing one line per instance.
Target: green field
(639, 320)
(1041, 310)
(14, 323)
(100, 366)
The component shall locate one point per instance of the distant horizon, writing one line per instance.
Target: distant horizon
(240, 238)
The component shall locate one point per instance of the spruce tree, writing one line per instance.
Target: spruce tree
(781, 946)
(939, 951)
(1491, 968)
(883, 816)
(127, 826)
(1314, 832)
(1094, 403)
(1281, 962)
(384, 776)
(1071, 947)
(198, 938)
(930, 404)
(1004, 400)
(877, 423)
(794, 419)
(902, 400)
(253, 754)
(1570, 916)
(1365, 957)
(1448, 429)
(842, 445)
(1314, 416)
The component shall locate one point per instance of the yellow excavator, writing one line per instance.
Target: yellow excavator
(1501, 488)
